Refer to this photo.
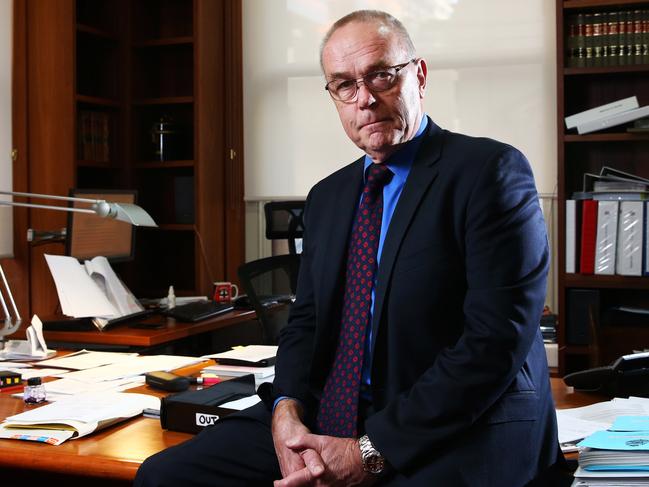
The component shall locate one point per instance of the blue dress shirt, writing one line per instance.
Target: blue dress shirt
(400, 164)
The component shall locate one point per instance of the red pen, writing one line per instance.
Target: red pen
(15, 388)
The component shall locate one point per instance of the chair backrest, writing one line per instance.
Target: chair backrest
(284, 221)
(270, 284)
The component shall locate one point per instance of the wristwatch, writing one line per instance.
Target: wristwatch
(373, 461)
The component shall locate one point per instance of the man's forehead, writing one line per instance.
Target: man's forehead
(357, 44)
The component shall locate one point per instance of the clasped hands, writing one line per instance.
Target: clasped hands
(307, 459)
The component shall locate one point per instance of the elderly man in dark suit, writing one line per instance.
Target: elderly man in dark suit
(413, 354)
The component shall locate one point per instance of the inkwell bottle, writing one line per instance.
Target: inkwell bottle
(34, 392)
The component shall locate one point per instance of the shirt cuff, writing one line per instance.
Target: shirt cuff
(281, 398)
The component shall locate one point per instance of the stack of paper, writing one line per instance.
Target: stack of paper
(258, 360)
(617, 456)
(239, 370)
(250, 355)
(75, 417)
(575, 424)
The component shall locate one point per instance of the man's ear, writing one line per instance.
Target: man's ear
(422, 72)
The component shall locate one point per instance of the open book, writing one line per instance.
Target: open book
(91, 290)
(76, 416)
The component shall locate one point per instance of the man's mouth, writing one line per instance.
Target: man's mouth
(372, 124)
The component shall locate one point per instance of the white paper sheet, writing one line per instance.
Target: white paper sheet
(84, 359)
(78, 294)
(249, 353)
(88, 408)
(14, 365)
(71, 386)
(130, 368)
(27, 374)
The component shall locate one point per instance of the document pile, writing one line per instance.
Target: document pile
(258, 360)
(87, 396)
(618, 456)
(575, 424)
(75, 416)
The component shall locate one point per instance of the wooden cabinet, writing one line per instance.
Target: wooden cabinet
(106, 79)
(589, 300)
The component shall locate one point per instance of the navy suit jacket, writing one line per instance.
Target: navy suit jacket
(459, 367)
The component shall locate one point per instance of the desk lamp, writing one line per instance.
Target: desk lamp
(10, 325)
(125, 212)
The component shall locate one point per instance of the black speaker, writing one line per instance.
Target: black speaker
(579, 304)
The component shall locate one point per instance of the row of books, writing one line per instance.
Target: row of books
(606, 226)
(94, 136)
(608, 38)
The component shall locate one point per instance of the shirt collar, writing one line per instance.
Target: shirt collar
(401, 161)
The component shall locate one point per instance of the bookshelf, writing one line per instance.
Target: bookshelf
(114, 70)
(590, 332)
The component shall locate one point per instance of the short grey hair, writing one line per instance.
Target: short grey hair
(383, 19)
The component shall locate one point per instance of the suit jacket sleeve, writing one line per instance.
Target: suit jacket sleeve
(506, 262)
(296, 339)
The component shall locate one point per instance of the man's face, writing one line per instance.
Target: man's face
(377, 122)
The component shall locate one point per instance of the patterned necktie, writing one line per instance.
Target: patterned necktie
(338, 411)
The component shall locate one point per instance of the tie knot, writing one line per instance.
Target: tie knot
(378, 176)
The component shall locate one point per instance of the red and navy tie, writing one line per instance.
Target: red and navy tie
(338, 410)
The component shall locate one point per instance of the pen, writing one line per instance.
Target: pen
(18, 387)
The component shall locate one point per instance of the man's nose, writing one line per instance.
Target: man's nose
(365, 96)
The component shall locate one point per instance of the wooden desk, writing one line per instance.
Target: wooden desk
(112, 456)
(109, 457)
(123, 335)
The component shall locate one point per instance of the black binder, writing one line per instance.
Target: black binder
(191, 411)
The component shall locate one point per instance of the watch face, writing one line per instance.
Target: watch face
(375, 464)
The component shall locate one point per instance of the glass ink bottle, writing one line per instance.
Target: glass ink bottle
(34, 391)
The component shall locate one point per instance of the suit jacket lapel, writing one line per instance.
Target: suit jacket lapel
(343, 208)
(421, 176)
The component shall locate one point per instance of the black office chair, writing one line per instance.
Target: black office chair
(270, 284)
(284, 221)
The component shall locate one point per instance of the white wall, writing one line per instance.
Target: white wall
(491, 73)
(6, 45)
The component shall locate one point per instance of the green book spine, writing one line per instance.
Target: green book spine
(628, 48)
(637, 37)
(580, 42)
(598, 40)
(645, 36)
(612, 39)
(571, 43)
(588, 39)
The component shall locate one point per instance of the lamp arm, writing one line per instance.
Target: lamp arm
(48, 207)
(5, 283)
(49, 197)
(126, 212)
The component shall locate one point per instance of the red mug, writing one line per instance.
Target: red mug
(224, 292)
